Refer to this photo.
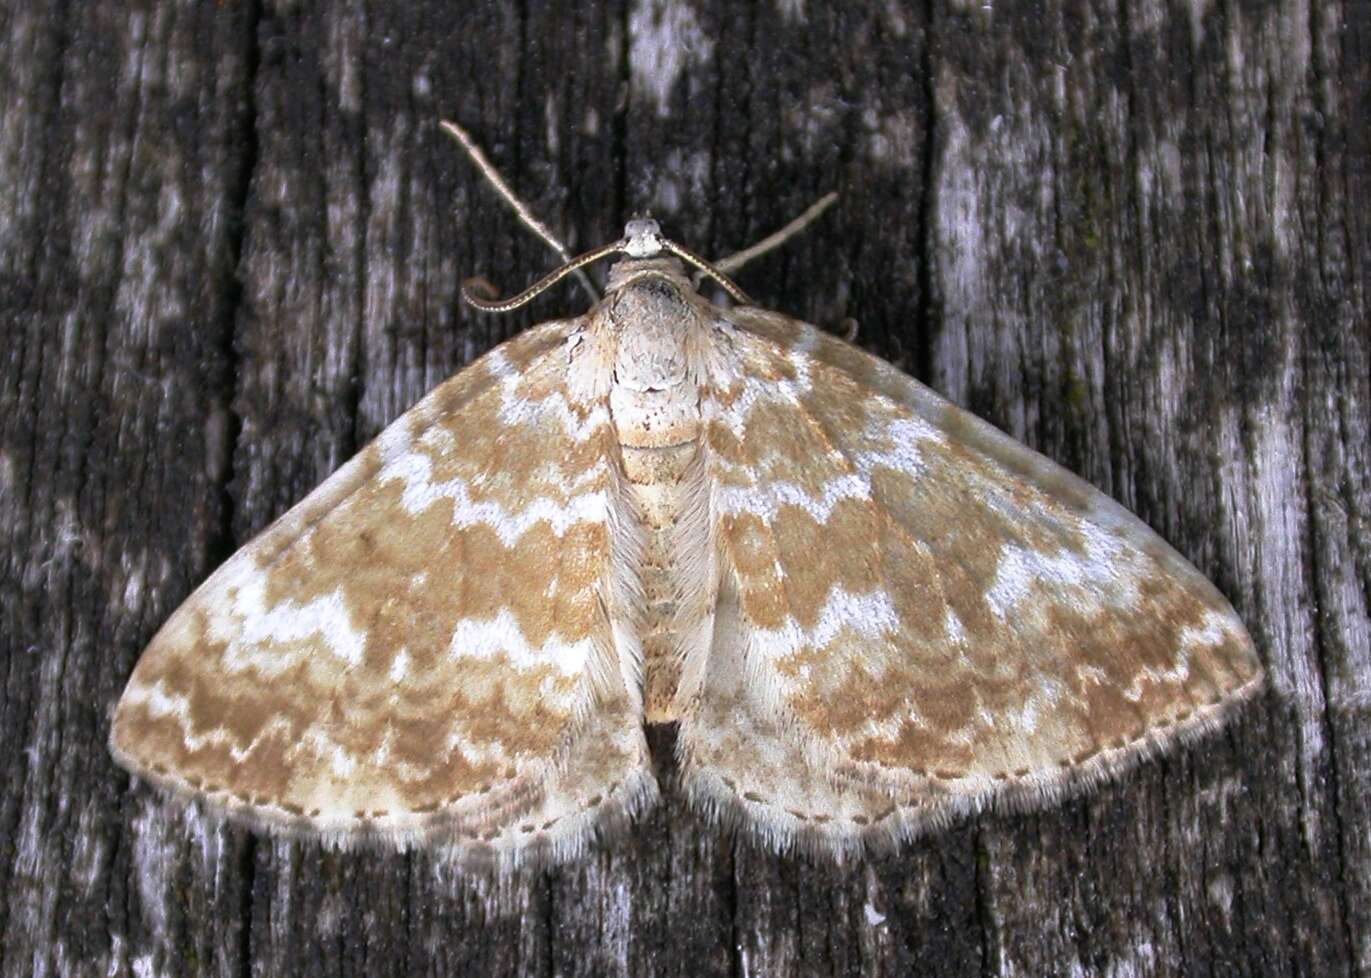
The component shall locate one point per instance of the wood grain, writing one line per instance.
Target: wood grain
(1133, 235)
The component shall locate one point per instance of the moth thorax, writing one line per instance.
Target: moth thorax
(652, 315)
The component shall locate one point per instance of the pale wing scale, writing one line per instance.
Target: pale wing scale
(917, 615)
(429, 648)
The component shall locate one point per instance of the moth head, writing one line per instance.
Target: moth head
(648, 252)
(643, 238)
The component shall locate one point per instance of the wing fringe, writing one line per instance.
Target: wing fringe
(506, 853)
(840, 839)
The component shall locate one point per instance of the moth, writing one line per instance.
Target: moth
(867, 611)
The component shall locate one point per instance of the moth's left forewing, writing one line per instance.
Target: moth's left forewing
(926, 613)
(1057, 556)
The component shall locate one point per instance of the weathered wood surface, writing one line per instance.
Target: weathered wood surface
(1134, 235)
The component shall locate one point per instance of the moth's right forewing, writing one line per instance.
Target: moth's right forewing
(425, 649)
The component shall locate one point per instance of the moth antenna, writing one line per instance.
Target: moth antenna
(706, 268)
(572, 267)
(520, 208)
(738, 259)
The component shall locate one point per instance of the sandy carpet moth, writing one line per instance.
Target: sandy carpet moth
(867, 610)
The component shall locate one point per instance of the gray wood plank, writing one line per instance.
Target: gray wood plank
(1133, 235)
